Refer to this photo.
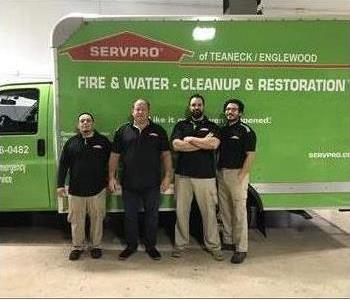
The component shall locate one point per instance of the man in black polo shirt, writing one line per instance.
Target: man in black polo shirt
(236, 155)
(141, 146)
(196, 139)
(85, 157)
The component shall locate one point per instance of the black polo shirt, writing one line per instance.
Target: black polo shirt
(236, 140)
(86, 160)
(140, 155)
(200, 163)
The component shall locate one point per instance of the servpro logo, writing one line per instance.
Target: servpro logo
(128, 52)
(126, 46)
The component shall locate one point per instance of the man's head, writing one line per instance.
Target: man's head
(140, 111)
(233, 109)
(196, 106)
(86, 123)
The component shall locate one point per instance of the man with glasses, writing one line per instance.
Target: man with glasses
(236, 156)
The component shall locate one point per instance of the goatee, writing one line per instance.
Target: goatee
(196, 114)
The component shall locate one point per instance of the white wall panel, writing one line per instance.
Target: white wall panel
(25, 27)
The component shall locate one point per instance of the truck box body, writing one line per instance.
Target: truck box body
(293, 76)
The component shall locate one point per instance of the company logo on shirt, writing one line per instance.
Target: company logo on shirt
(153, 134)
(97, 147)
(234, 137)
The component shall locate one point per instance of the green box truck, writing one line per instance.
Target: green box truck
(292, 74)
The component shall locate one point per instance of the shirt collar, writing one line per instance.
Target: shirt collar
(134, 126)
(89, 137)
(234, 124)
(204, 119)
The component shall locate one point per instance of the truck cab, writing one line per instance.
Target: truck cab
(27, 167)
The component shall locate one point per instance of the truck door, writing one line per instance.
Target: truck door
(23, 147)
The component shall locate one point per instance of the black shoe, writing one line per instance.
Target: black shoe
(75, 254)
(153, 253)
(126, 253)
(228, 247)
(238, 257)
(96, 252)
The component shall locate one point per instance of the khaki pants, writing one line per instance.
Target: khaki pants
(95, 207)
(232, 205)
(206, 196)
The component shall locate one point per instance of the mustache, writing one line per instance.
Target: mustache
(197, 111)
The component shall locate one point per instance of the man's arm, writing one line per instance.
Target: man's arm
(113, 165)
(168, 170)
(208, 143)
(183, 146)
(246, 165)
(177, 138)
(62, 172)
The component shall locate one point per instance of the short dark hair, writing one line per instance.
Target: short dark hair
(144, 100)
(196, 96)
(238, 102)
(87, 113)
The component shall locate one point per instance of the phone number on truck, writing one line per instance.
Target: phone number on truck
(14, 149)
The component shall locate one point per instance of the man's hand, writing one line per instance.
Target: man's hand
(209, 142)
(113, 184)
(61, 192)
(241, 176)
(246, 166)
(184, 145)
(165, 184)
(188, 139)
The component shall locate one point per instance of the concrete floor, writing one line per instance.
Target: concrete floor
(299, 258)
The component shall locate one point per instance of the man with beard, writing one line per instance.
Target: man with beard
(85, 156)
(236, 155)
(195, 141)
(142, 147)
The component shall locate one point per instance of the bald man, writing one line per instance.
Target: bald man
(142, 147)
